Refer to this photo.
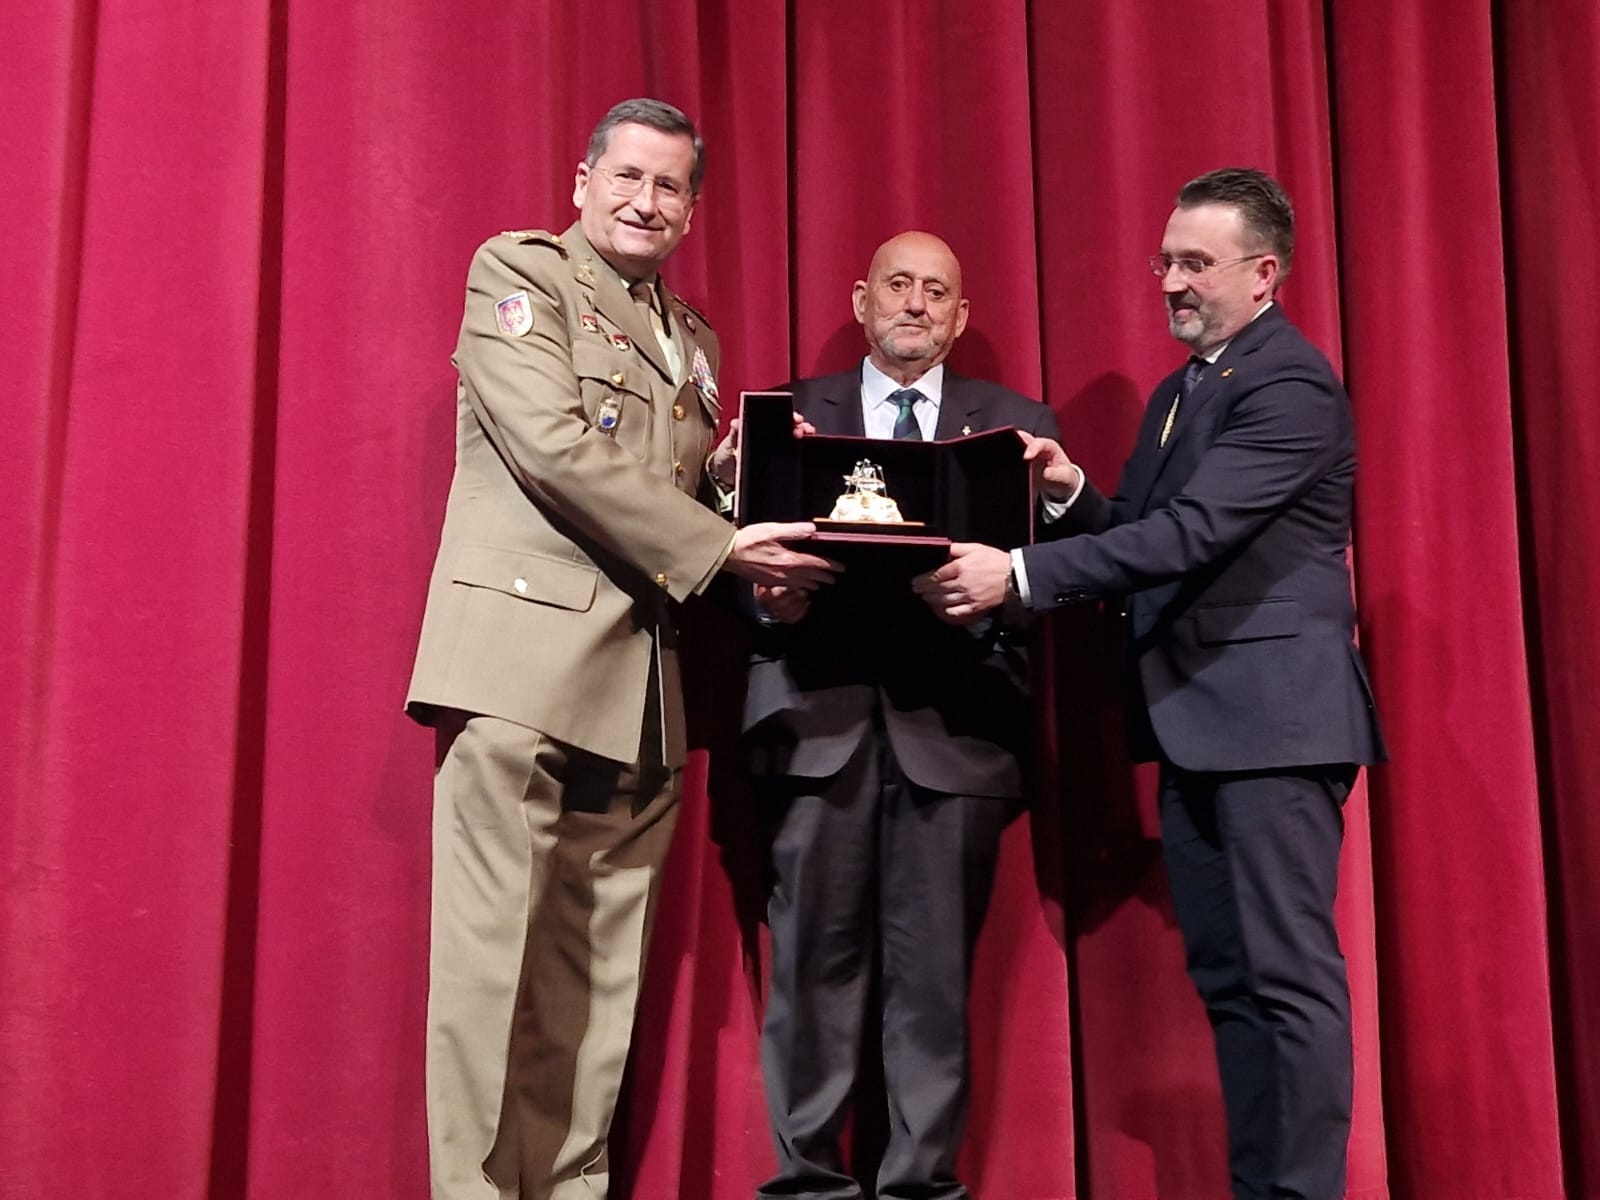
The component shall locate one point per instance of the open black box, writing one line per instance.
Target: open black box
(969, 489)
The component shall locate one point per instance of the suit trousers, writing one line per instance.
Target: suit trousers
(1253, 862)
(872, 873)
(546, 861)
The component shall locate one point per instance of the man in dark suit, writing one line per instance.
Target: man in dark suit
(887, 751)
(1229, 535)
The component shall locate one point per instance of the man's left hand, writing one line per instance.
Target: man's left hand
(971, 584)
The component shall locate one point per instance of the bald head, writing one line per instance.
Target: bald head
(910, 305)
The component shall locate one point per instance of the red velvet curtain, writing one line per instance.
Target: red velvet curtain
(233, 240)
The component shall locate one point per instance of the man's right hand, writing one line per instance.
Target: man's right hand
(781, 604)
(1054, 474)
(760, 556)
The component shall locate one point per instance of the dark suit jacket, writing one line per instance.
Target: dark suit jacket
(953, 701)
(1231, 545)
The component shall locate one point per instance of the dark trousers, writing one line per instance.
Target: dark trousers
(1253, 861)
(872, 873)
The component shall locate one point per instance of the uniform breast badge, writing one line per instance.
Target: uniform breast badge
(622, 341)
(609, 416)
(590, 322)
(513, 316)
(704, 381)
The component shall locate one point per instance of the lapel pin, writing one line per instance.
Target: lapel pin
(1226, 371)
(621, 341)
(590, 322)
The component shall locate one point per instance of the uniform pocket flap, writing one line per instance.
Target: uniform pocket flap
(591, 360)
(1247, 622)
(543, 578)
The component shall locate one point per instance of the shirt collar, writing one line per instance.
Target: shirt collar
(1217, 353)
(876, 386)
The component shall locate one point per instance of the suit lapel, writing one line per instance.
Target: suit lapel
(961, 409)
(611, 301)
(689, 346)
(836, 407)
(1189, 423)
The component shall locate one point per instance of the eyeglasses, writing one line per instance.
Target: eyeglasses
(1160, 264)
(630, 182)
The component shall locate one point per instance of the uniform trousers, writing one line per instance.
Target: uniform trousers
(872, 873)
(1253, 863)
(546, 860)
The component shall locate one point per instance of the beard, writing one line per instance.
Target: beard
(908, 343)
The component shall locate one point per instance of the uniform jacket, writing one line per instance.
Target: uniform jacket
(953, 701)
(1230, 544)
(564, 546)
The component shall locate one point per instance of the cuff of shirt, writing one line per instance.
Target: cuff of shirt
(1019, 572)
(1055, 509)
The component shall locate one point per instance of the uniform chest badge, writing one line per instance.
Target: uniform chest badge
(590, 322)
(609, 416)
(513, 316)
(621, 341)
(704, 381)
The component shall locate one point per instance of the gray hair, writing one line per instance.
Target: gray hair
(653, 114)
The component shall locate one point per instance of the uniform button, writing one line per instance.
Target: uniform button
(677, 468)
(661, 579)
(618, 378)
(679, 412)
(520, 584)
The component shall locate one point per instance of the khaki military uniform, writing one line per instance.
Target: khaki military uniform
(548, 663)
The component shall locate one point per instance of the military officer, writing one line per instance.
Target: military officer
(579, 516)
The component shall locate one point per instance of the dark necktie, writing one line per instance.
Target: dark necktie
(906, 428)
(1191, 376)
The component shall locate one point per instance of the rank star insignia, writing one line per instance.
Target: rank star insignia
(513, 316)
(590, 322)
(621, 341)
(704, 381)
(965, 430)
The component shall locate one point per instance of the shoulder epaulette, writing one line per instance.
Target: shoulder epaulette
(691, 310)
(542, 236)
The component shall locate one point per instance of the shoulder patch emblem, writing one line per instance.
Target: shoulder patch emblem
(513, 316)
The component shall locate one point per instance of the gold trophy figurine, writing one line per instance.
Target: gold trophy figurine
(864, 498)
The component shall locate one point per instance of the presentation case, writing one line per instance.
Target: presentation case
(967, 489)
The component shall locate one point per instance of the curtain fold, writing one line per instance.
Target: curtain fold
(234, 242)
